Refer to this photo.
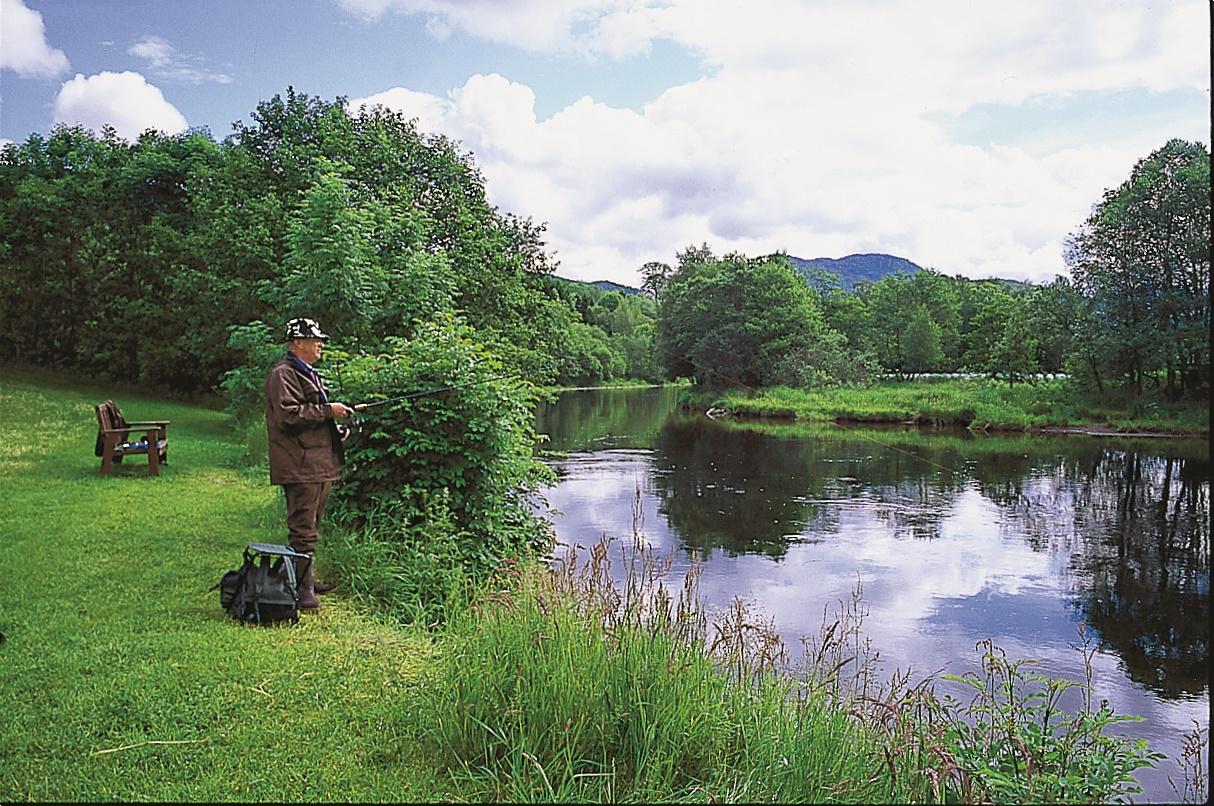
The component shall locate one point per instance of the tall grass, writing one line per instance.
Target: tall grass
(566, 688)
(563, 685)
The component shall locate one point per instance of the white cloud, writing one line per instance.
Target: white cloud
(123, 100)
(819, 129)
(535, 25)
(23, 45)
(164, 61)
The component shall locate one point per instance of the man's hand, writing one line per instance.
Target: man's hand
(340, 410)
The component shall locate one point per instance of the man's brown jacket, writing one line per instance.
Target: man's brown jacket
(304, 444)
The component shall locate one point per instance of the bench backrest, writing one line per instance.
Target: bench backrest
(109, 417)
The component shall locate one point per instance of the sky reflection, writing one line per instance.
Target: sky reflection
(945, 561)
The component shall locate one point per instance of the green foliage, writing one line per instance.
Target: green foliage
(1055, 313)
(1015, 745)
(244, 385)
(413, 573)
(893, 303)
(655, 274)
(1014, 354)
(976, 403)
(988, 307)
(1142, 260)
(330, 268)
(614, 339)
(921, 350)
(465, 453)
(134, 260)
(737, 321)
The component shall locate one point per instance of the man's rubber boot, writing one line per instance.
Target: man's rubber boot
(307, 585)
(322, 588)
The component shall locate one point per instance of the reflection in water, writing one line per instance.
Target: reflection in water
(956, 538)
(1146, 577)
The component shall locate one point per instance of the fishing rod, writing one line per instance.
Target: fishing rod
(428, 392)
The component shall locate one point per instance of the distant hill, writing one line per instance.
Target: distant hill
(854, 268)
(601, 285)
(851, 270)
(607, 285)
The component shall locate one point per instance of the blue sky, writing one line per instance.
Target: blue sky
(967, 136)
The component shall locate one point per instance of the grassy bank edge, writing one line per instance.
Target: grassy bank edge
(977, 405)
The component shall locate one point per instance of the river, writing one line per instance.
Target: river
(955, 538)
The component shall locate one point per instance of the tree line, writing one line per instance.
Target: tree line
(172, 260)
(1133, 317)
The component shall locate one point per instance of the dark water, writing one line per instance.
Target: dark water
(955, 538)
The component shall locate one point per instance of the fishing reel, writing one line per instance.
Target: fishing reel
(351, 427)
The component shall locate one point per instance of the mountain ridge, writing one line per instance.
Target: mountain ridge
(851, 269)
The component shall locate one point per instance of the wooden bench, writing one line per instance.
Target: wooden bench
(113, 439)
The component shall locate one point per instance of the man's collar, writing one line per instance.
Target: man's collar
(301, 365)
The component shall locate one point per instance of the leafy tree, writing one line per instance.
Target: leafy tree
(848, 313)
(1055, 311)
(134, 260)
(1013, 354)
(331, 271)
(655, 275)
(1142, 259)
(992, 304)
(921, 350)
(740, 321)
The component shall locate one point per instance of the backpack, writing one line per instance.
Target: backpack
(262, 591)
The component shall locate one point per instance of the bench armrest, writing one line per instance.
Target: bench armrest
(143, 429)
(144, 423)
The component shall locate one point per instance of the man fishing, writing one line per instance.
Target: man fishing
(305, 445)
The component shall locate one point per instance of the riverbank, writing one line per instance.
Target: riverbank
(122, 671)
(977, 404)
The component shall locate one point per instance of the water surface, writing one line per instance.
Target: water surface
(955, 539)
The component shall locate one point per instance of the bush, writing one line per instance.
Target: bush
(464, 453)
(244, 386)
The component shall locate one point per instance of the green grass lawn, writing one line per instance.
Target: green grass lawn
(120, 676)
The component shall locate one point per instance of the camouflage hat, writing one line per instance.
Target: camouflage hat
(304, 328)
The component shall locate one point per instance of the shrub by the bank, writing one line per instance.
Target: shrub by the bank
(460, 457)
(413, 573)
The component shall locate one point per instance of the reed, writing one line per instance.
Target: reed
(563, 684)
(565, 687)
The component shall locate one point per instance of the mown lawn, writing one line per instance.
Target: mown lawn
(121, 678)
